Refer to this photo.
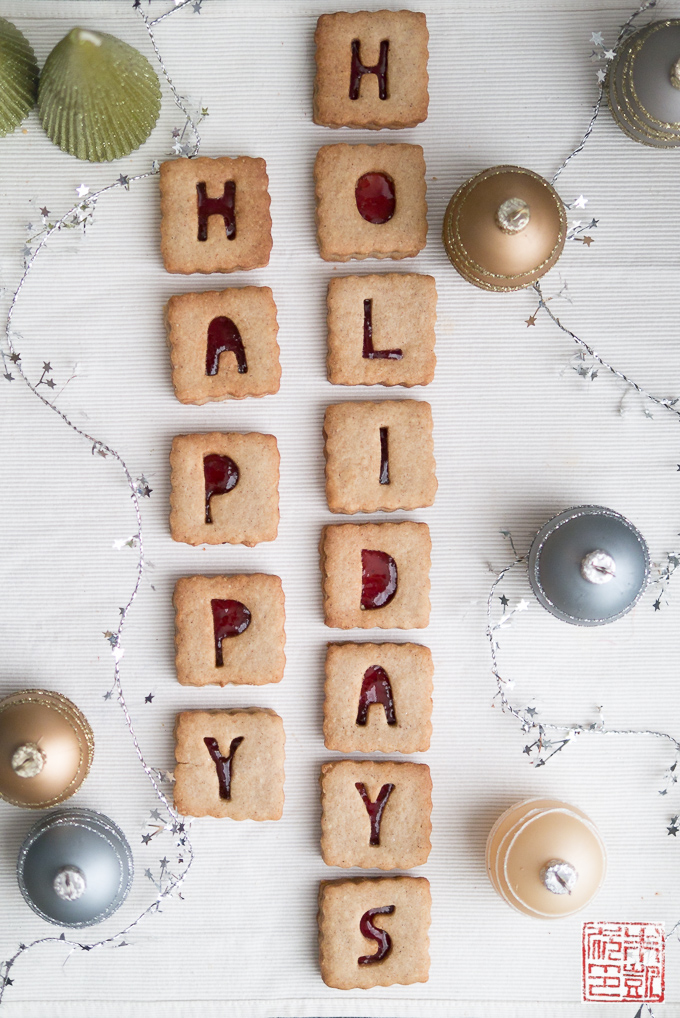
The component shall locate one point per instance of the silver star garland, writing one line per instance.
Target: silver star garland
(80, 215)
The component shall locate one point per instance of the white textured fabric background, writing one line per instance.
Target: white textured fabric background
(518, 438)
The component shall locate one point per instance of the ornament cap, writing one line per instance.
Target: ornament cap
(513, 215)
(28, 760)
(559, 877)
(598, 567)
(69, 884)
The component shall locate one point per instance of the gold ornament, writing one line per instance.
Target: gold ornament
(545, 858)
(99, 98)
(46, 748)
(504, 228)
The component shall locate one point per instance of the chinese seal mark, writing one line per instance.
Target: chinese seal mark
(624, 962)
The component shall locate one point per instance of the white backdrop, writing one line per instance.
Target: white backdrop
(518, 437)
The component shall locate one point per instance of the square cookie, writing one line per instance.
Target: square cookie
(229, 629)
(379, 456)
(375, 815)
(376, 575)
(352, 917)
(224, 488)
(230, 763)
(381, 329)
(371, 69)
(215, 214)
(340, 173)
(378, 698)
(223, 344)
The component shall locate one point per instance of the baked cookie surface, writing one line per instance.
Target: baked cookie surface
(379, 456)
(381, 329)
(217, 642)
(230, 763)
(375, 815)
(353, 917)
(342, 231)
(367, 563)
(371, 69)
(378, 698)
(224, 488)
(215, 214)
(223, 344)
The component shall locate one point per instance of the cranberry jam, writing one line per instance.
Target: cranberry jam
(221, 475)
(230, 618)
(224, 337)
(374, 194)
(368, 352)
(374, 809)
(378, 579)
(224, 206)
(376, 688)
(371, 932)
(223, 763)
(358, 69)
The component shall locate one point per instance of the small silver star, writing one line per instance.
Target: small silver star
(124, 180)
(146, 838)
(148, 874)
(177, 147)
(597, 39)
(609, 54)
(176, 132)
(8, 376)
(44, 211)
(108, 695)
(82, 190)
(51, 384)
(47, 366)
(155, 815)
(16, 357)
(601, 75)
(149, 698)
(197, 6)
(580, 202)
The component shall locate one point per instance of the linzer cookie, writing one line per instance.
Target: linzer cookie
(381, 329)
(370, 201)
(375, 815)
(229, 629)
(376, 575)
(374, 932)
(378, 698)
(223, 344)
(379, 456)
(224, 488)
(215, 214)
(371, 69)
(230, 763)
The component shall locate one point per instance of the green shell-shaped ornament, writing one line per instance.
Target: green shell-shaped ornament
(99, 98)
(18, 77)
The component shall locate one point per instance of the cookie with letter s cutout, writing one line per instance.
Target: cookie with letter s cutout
(230, 763)
(374, 932)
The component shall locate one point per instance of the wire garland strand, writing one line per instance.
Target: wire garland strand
(177, 824)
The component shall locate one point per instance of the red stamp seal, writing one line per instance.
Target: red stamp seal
(624, 962)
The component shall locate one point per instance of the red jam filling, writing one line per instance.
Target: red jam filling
(358, 70)
(224, 206)
(223, 763)
(221, 475)
(230, 618)
(374, 809)
(224, 337)
(369, 353)
(376, 688)
(374, 194)
(372, 932)
(384, 458)
(378, 579)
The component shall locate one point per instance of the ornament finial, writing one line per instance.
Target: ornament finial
(559, 877)
(598, 567)
(28, 760)
(69, 883)
(513, 215)
(675, 74)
